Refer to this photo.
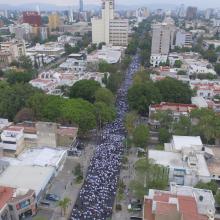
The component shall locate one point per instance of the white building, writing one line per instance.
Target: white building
(196, 66)
(110, 54)
(215, 43)
(108, 29)
(12, 140)
(184, 168)
(49, 49)
(142, 13)
(183, 39)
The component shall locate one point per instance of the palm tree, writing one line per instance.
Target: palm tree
(63, 204)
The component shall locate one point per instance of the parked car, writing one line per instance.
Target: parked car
(52, 197)
(74, 152)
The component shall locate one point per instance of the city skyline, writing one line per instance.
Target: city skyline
(211, 3)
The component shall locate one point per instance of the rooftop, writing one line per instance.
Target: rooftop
(181, 142)
(185, 203)
(177, 107)
(175, 160)
(27, 177)
(43, 157)
(5, 195)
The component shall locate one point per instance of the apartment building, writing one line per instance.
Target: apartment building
(16, 204)
(15, 47)
(162, 40)
(191, 12)
(54, 21)
(12, 140)
(183, 39)
(108, 29)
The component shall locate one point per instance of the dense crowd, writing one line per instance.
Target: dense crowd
(96, 198)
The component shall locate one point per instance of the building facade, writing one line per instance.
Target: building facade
(162, 40)
(108, 29)
(32, 18)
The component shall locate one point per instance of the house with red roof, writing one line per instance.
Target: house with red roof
(180, 203)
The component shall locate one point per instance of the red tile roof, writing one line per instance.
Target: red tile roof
(186, 206)
(177, 107)
(6, 194)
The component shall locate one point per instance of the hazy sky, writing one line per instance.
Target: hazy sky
(200, 3)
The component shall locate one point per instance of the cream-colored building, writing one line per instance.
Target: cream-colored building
(108, 29)
(15, 47)
(54, 21)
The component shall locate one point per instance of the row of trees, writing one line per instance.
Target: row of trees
(148, 175)
(141, 42)
(201, 122)
(23, 102)
(145, 92)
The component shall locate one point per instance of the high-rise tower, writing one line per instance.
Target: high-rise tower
(108, 29)
(80, 5)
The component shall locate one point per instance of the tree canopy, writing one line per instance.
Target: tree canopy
(140, 96)
(85, 89)
(173, 90)
(141, 136)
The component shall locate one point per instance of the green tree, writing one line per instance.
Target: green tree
(217, 68)
(25, 63)
(105, 95)
(140, 96)
(129, 122)
(165, 118)
(114, 81)
(210, 55)
(141, 136)
(106, 67)
(63, 204)
(181, 72)
(14, 76)
(148, 175)
(183, 126)
(212, 185)
(164, 135)
(141, 77)
(208, 124)
(173, 90)
(178, 64)
(217, 197)
(85, 89)
(104, 113)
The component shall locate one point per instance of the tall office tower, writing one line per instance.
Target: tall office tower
(108, 29)
(191, 13)
(80, 5)
(182, 11)
(208, 13)
(38, 9)
(32, 18)
(70, 14)
(162, 40)
(54, 21)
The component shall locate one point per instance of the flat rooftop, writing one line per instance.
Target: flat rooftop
(181, 142)
(27, 177)
(214, 162)
(175, 160)
(42, 157)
